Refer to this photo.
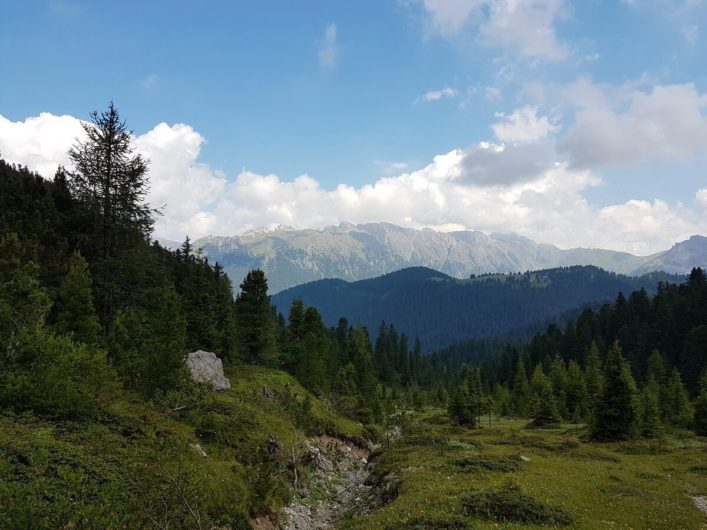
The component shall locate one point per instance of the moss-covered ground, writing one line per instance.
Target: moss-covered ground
(506, 476)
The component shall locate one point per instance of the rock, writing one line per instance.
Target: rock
(198, 450)
(205, 367)
(524, 458)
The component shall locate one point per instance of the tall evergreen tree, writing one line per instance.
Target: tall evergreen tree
(111, 182)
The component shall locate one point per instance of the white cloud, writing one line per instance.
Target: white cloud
(436, 95)
(525, 27)
(701, 197)
(329, 49)
(523, 125)
(491, 187)
(40, 142)
(628, 125)
(690, 33)
(449, 16)
(389, 168)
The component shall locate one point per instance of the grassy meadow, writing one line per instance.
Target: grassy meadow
(506, 476)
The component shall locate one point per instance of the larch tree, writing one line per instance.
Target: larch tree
(111, 182)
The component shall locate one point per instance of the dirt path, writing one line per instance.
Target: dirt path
(336, 487)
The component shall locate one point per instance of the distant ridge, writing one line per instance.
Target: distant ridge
(351, 252)
(441, 310)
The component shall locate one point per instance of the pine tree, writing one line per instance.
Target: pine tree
(75, 313)
(254, 320)
(616, 411)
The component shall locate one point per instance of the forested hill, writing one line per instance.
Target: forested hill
(441, 310)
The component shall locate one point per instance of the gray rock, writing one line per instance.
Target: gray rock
(205, 367)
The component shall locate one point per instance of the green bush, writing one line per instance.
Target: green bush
(58, 377)
(510, 504)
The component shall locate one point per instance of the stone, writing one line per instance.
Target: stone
(199, 450)
(205, 367)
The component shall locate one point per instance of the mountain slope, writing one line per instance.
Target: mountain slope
(354, 252)
(442, 310)
(693, 251)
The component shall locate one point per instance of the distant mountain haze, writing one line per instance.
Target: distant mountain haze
(442, 310)
(351, 252)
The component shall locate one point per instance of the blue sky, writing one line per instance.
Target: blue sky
(348, 93)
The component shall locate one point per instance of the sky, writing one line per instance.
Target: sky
(576, 123)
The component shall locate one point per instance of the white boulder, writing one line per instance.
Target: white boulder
(205, 367)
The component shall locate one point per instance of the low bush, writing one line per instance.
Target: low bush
(511, 505)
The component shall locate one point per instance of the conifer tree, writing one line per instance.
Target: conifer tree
(650, 410)
(545, 413)
(254, 320)
(111, 182)
(75, 313)
(616, 411)
(593, 378)
(677, 409)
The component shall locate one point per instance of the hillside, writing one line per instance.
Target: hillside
(351, 252)
(165, 463)
(442, 310)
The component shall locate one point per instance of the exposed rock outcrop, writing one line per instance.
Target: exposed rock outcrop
(206, 367)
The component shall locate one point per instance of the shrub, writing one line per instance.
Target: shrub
(510, 504)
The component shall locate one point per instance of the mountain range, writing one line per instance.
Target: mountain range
(351, 252)
(441, 310)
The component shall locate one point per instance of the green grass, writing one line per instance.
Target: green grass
(136, 465)
(507, 477)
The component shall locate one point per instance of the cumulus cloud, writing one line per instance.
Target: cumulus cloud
(625, 126)
(328, 52)
(40, 142)
(523, 125)
(485, 187)
(525, 27)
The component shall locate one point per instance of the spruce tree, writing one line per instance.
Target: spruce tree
(677, 409)
(75, 313)
(255, 321)
(650, 410)
(616, 411)
(593, 378)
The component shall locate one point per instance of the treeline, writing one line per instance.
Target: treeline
(89, 305)
(634, 367)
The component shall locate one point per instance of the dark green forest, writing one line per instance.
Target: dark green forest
(642, 359)
(442, 311)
